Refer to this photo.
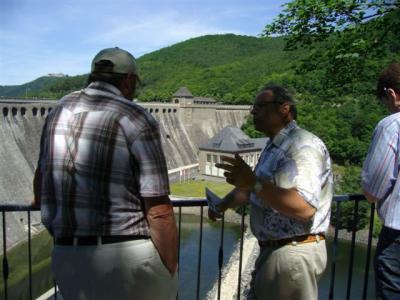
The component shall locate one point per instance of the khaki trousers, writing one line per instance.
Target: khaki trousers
(288, 272)
(126, 270)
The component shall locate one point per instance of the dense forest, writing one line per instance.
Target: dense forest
(329, 54)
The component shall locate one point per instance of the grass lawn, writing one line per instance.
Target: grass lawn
(195, 188)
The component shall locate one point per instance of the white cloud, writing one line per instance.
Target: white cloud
(152, 32)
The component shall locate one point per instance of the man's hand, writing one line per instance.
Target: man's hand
(370, 198)
(238, 173)
(213, 216)
(35, 203)
(163, 231)
(235, 198)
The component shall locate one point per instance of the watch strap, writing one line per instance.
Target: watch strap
(257, 187)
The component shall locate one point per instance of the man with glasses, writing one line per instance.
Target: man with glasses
(381, 184)
(102, 184)
(290, 194)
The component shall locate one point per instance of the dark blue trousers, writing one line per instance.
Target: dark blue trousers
(387, 265)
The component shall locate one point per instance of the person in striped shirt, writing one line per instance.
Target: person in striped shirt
(381, 184)
(102, 184)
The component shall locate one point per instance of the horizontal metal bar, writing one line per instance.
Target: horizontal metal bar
(16, 207)
(348, 197)
(189, 202)
(176, 203)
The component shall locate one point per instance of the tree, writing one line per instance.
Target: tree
(344, 38)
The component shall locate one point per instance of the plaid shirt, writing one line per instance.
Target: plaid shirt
(295, 158)
(99, 156)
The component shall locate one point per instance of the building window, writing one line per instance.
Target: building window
(208, 157)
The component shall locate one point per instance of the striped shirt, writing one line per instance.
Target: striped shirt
(100, 154)
(380, 175)
(295, 158)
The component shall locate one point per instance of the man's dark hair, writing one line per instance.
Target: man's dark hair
(111, 78)
(389, 79)
(282, 95)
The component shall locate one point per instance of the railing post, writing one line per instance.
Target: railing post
(353, 241)
(371, 228)
(334, 248)
(5, 261)
(221, 255)
(30, 254)
(199, 259)
(243, 210)
(179, 243)
(54, 281)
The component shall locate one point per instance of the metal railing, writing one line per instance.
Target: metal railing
(338, 200)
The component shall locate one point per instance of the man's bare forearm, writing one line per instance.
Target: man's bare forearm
(164, 234)
(286, 201)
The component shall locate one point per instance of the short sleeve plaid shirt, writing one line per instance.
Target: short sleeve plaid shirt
(100, 155)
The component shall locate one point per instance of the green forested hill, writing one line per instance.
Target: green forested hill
(35, 86)
(229, 67)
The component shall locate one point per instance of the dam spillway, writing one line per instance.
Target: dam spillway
(183, 128)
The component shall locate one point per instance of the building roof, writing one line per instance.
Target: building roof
(183, 92)
(232, 139)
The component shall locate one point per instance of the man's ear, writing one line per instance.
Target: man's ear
(284, 109)
(128, 86)
(394, 97)
(392, 100)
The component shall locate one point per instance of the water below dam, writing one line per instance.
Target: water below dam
(189, 251)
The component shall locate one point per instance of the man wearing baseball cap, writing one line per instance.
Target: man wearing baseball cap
(102, 184)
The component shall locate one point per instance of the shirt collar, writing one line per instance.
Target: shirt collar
(105, 87)
(283, 133)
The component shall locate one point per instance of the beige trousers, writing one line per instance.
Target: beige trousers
(288, 272)
(127, 270)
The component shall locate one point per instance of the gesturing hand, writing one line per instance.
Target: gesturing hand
(238, 173)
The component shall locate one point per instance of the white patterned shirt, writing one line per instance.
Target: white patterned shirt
(294, 158)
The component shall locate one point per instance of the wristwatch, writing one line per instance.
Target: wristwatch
(257, 187)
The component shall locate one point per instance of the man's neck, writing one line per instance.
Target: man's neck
(278, 129)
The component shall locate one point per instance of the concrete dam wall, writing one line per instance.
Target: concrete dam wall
(20, 128)
(183, 128)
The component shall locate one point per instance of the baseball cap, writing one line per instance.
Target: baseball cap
(114, 60)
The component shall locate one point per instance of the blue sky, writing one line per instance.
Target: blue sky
(38, 37)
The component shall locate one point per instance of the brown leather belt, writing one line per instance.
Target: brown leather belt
(301, 239)
(94, 240)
